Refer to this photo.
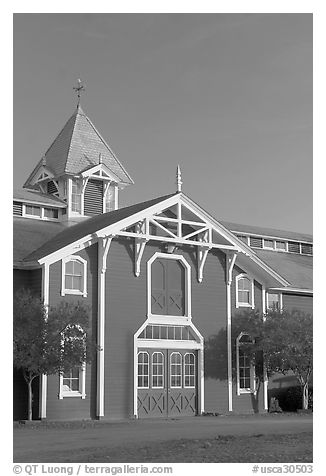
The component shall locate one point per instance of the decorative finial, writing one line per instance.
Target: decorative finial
(100, 158)
(79, 88)
(179, 181)
(43, 160)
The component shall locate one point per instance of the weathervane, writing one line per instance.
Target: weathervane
(79, 88)
(179, 181)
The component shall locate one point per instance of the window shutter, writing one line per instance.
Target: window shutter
(18, 209)
(294, 247)
(306, 249)
(256, 242)
(93, 198)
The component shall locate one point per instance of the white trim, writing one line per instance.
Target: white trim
(157, 375)
(169, 319)
(170, 344)
(103, 250)
(230, 261)
(65, 290)
(43, 380)
(252, 389)
(265, 377)
(175, 375)
(167, 344)
(236, 244)
(81, 393)
(184, 370)
(148, 365)
(292, 290)
(238, 303)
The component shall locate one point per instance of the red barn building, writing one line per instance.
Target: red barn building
(162, 278)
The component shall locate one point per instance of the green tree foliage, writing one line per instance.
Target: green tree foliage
(282, 343)
(288, 346)
(49, 342)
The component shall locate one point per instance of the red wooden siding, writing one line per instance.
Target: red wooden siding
(298, 301)
(126, 310)
(71, 407)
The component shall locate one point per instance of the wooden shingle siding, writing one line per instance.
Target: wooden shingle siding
(93, 198)
(70, 407)
(295, 301)
(18, 209)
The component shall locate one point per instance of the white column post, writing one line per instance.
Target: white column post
(43, 379)
(265, 387)
(103, 248)
(230, 260)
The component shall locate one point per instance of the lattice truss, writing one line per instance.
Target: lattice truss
(177, 226)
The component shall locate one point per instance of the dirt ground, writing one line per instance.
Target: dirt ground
(254, 438)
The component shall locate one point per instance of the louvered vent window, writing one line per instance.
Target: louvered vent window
(93, 198)
(18, 209)
(51, 187)
(294, 247)
(243, 238)
(256, 242)
(306, 249)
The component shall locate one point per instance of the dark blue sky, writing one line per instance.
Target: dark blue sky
(228, 96)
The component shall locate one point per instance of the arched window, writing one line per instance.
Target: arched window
(189, 370)
(157, 370)
(74, 269)
(245, 367)
(175, 370)
(244, 291)
(143, 370)
(168, 287)
(72, 381)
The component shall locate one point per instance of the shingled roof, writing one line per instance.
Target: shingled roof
(78, 147)
(89, 226)
(259, 230)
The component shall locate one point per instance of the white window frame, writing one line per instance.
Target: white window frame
(169, 319)
(77, 292)
(148, 366)
(280, 296)
(184, 370)
(41, 216)
(162, 364)
(238, 303)
(268, 247)
(252, 389)
(81, 393)
(175, 375)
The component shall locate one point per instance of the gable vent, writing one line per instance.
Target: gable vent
(93, 198)
(294, 247)
(256, 242)
(51, 187)
(306, 249)
(18, 209)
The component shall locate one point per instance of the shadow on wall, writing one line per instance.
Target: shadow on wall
(216, 364)
(216, 356)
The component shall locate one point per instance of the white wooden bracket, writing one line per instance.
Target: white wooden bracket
(140, 243)
(201, 259)
(106, 246)
(230, 260)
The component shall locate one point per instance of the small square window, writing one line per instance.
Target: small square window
(281, 245)
(269, 244)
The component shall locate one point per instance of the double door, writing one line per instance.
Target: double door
(167, 383)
